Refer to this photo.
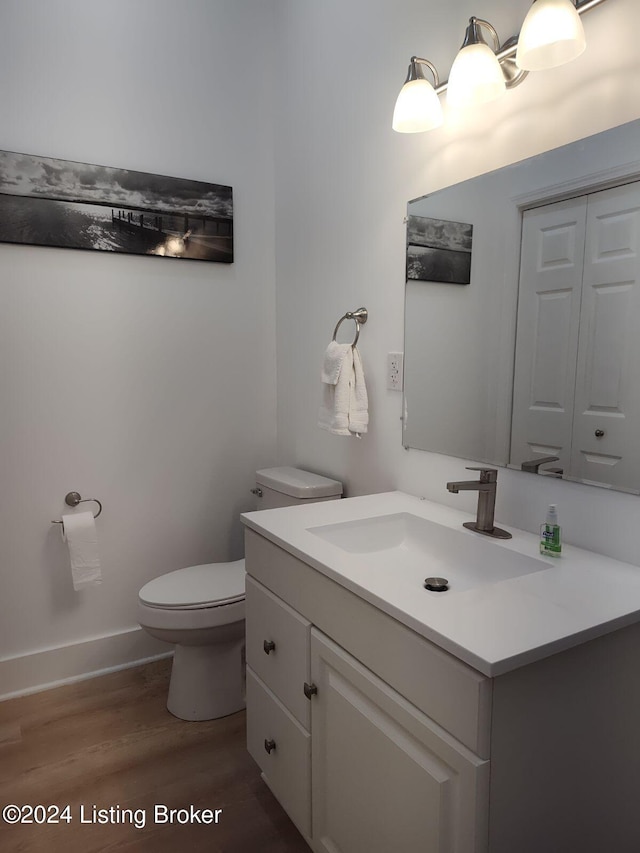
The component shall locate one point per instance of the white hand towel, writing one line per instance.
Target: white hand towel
(344, 396)
(359, 408)
(79, 532)
(333, 360)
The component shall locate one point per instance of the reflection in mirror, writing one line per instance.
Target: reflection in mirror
(547, 381)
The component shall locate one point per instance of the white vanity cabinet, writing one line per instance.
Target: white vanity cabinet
(358, 767)
(400, 746)
(500, 719)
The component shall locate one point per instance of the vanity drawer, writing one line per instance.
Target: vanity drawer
(278, 643)
(282, 750)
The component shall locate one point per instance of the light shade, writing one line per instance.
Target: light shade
(475, 78)
(552, 34)
(417, 108)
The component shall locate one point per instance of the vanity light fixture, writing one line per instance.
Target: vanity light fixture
(551, 35)
(476, 75)
(418, 107)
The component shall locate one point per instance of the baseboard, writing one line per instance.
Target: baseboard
(47, 668)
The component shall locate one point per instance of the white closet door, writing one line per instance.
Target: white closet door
(551, 269)
(606, 399)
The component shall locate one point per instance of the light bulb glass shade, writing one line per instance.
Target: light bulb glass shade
(418, 108)
(552, 34)
(475, 77)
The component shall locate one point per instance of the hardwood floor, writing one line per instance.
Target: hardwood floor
(110, 743)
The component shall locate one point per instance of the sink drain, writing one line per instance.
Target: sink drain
(436, 584)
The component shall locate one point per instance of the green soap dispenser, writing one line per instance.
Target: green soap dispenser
(550, 534)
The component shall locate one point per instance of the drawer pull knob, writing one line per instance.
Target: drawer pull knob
(269, 745)
(310, 690)
(268, 646)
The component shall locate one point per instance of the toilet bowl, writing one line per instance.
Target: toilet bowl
(201, 610)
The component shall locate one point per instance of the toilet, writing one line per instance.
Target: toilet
(201, 610)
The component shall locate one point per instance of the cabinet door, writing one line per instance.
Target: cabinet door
(384, 776)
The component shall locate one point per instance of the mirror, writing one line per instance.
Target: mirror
(481, 365)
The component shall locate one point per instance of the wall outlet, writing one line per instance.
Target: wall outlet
(395, 366)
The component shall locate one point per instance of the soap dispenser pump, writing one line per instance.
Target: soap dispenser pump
(550, 534)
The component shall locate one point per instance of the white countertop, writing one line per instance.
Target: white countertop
(494, 628)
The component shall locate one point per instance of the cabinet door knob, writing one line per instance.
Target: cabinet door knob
(269, 745)
(310, 690)
(599, 433)
(268, 646)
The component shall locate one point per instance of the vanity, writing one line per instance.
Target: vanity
(501, 715)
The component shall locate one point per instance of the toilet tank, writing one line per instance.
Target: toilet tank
(277, 487)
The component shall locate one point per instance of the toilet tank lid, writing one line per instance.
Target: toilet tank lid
(298, 483)
(196, 586)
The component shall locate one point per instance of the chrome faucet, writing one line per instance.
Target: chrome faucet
(486, 488)
(532, 465)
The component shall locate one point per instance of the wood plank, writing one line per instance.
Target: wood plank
(110, 742)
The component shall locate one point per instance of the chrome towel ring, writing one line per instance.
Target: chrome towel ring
(359, 317)
(74, 498)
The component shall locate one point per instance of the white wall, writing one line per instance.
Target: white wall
(151, 383)
(343, 179)
(148, 383)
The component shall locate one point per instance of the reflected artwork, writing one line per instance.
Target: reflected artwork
(438, 250)
(48, 202)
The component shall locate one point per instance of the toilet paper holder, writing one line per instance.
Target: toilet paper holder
(75, 498)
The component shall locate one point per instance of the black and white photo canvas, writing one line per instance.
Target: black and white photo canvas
(49, 202)
(438, 250)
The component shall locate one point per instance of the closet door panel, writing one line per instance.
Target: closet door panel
(607, 402)
(551, 270)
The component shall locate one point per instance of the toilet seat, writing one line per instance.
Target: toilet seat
(196, 587)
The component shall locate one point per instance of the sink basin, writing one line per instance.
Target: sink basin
(412, 548)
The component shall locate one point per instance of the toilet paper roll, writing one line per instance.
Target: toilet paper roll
(79, 532)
